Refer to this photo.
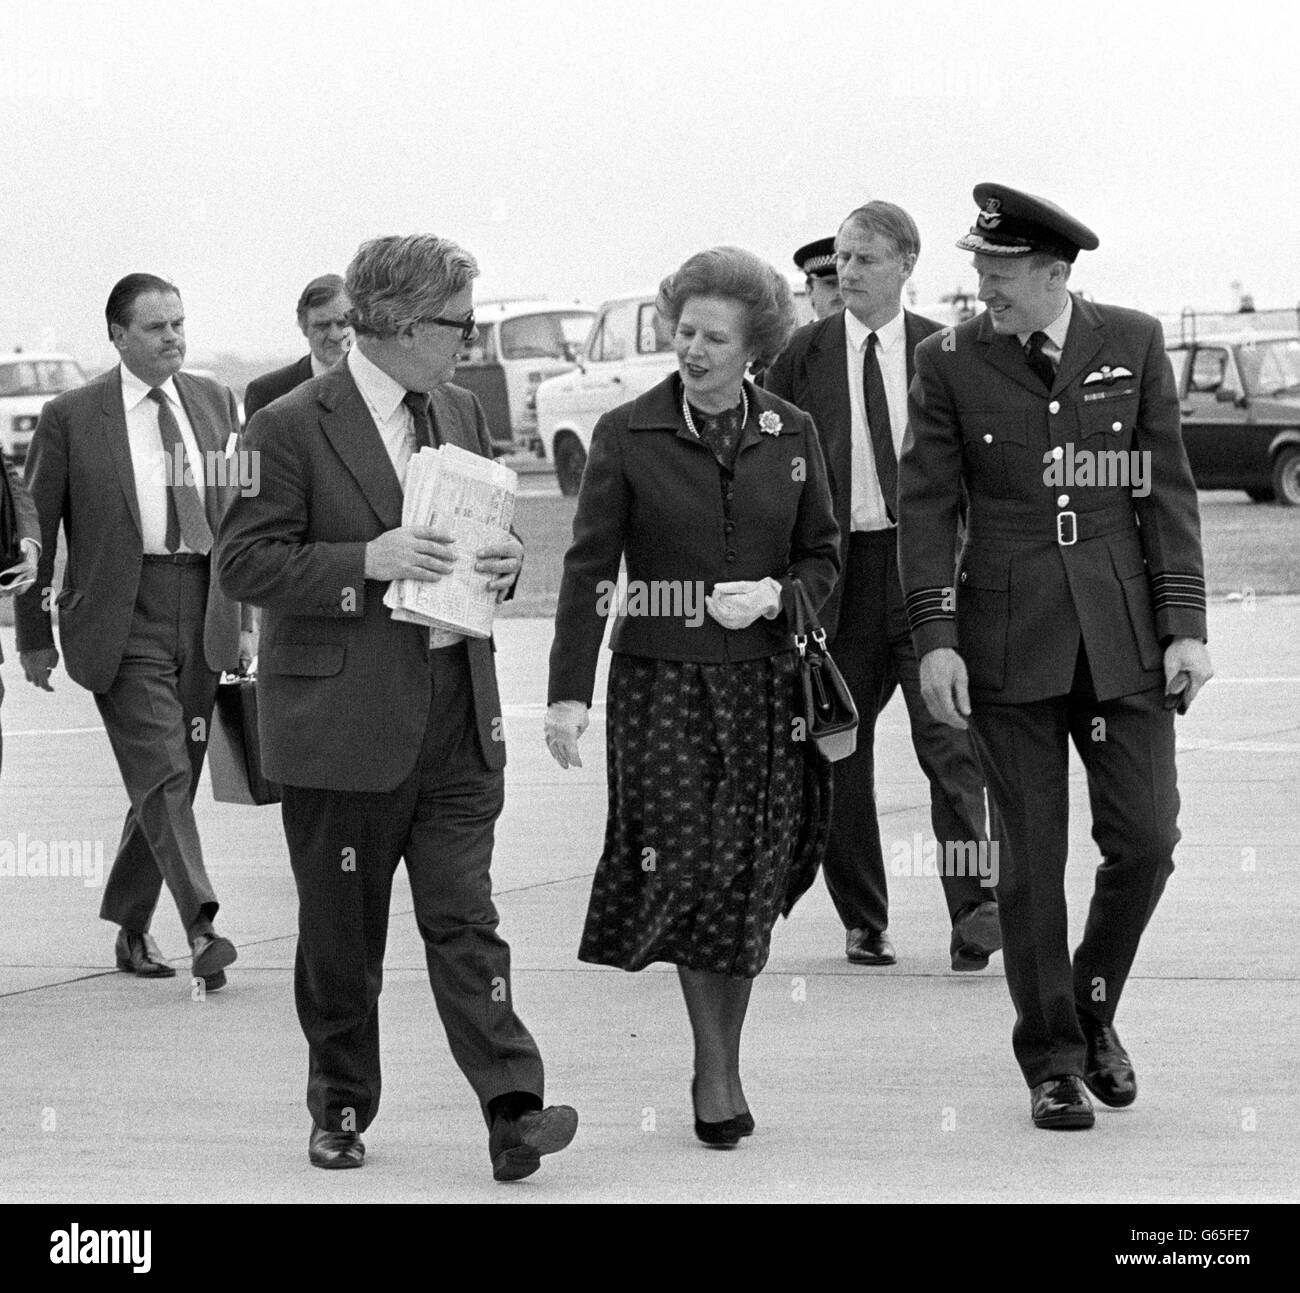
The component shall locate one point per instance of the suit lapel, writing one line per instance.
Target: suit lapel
(113, 427)
(448, 424)
(348, 426)
(828, 388)
(1083, 342)
(1003, 351)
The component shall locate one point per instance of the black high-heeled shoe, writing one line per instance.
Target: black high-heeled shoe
(744, 1123)
(725, 1134)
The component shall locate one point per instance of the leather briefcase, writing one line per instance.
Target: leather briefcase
(234, 755)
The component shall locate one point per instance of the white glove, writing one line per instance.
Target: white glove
(736, 605)
(566, 720)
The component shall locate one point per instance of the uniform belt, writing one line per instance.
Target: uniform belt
(1018, 525)
(175, 558)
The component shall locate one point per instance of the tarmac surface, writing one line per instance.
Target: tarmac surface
(867, 1084)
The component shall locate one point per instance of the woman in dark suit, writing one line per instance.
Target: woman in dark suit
(715, 494)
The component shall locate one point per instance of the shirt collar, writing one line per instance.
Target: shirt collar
(317, 368)
(134, 390)
(890, 334)
(381, 392)
(1055, 330)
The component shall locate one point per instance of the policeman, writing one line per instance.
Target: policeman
(816, 262)
(1078, 615)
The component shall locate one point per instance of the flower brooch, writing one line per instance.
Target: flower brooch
(769, 423)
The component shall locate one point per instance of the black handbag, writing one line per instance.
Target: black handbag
(828, 709)
(234, 755)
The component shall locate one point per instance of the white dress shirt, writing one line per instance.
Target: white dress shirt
(383, 397)
(153, 471)
(1055, 333)
(396, 426)
(866, 501)
(317, 368)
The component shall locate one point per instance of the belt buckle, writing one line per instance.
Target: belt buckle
(1061, 517)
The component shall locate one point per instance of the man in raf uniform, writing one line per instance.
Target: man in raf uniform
(1078, 614)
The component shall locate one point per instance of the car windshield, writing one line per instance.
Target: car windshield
(553, 335)
(38, 376)
(1271, 367)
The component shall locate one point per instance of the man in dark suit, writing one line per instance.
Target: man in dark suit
(850, 371)
(134, 465)
(1078, 614)
(20, 576)
(323, 320)
(387, 741)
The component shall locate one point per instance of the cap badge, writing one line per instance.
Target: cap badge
(990, 217)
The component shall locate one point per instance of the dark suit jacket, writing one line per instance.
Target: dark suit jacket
(812, 372)
(81, 476)
(978, 413)
(651, 494)
(25, 515)
(270, 386)
(343, 688)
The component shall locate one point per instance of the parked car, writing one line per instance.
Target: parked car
(519, 345)
(1240, 397)
(27, 381)
(628, 350)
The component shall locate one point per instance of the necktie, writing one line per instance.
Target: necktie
(882, 435)
(1038, 361)
(421, 420)
(186, 518)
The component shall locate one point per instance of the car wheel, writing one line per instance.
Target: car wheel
(1260, 495)
(1286, 477)
(570, 459)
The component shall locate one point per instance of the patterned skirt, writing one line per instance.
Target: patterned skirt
(718, 816)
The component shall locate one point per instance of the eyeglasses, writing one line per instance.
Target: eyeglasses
(466, 326)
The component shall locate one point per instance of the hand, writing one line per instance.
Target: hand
(410, 552)
(1187, 670)
(38, 664)
(737, 604)
(503, 560)
(23, 575)
(944, 686)
(566, 720)
(247, 649)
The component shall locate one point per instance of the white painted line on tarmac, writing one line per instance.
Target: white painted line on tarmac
(51, 731)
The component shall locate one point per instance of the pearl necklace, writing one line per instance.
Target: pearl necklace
(690, 425)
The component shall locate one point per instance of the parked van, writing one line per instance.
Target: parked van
(27, 382)
(519, 345)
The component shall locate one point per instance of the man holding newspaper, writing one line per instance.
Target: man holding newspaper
(379, 708)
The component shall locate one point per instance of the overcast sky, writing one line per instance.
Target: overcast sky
(582, 149)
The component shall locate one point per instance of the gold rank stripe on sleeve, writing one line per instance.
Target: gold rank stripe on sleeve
(1172, 589)
(928, 604)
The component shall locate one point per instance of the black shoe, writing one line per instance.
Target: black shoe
(212, 954)
(1107, 1069)
(744, 1123)
(1061, 1104)
(516, 1145)
(722, 1135)
(138, 954)
(867, 947)
(335, 1149)
(976, 935)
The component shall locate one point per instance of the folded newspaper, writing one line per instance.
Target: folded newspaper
(473, 498)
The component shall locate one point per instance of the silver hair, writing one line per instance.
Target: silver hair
(394, 281)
